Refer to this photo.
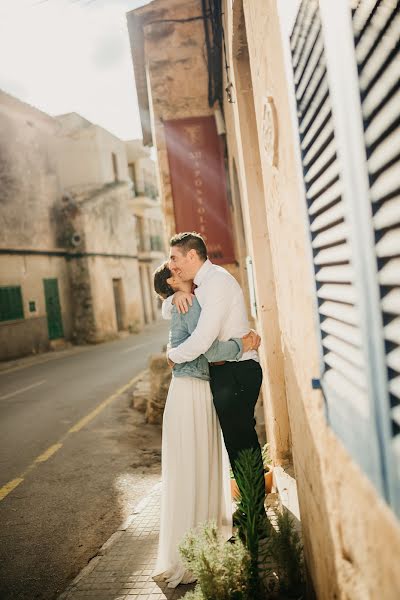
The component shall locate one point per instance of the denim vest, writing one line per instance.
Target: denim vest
(182, 326)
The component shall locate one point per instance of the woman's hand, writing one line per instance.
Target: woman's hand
(182, 301)
(251, 341)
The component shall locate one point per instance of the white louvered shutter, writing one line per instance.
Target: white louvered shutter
(376, 34)
(345, 377)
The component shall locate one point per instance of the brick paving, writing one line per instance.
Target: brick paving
(122, 569)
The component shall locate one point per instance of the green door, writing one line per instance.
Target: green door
(53, 309)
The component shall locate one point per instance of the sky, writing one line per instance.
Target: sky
(71, 56)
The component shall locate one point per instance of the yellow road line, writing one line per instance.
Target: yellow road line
(11, 485)
(48, 453)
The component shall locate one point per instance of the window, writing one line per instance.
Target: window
(11, 305)
(115, 165)
(346, 95)
(131, 171)
(376, 27)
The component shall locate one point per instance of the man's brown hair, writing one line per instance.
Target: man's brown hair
(161, 287)
(190, 240)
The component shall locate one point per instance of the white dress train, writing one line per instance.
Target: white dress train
(195, 473)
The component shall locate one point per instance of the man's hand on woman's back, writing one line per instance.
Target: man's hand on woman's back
(251, 341)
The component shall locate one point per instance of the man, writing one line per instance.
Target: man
(235, 385)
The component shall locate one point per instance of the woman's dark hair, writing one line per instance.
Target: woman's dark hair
(190, 240)
(161, 286)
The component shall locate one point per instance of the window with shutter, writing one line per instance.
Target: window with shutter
(345, 376)
(376, 33)
(11, 306)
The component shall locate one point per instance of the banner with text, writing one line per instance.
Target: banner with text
(196, 163)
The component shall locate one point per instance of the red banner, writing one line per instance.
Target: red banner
(196, 163)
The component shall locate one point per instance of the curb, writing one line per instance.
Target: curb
(106, 547)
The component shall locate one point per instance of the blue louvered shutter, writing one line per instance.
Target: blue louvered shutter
(376, 26)
(345, 376)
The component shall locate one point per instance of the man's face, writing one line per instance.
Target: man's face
(180, 264)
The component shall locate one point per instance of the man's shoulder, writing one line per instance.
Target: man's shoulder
(219, 274)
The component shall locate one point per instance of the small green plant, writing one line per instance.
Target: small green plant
(221, 568)
(253, 525)
(287, 552)
(259, 555)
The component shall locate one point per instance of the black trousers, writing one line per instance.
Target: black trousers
(235, 387)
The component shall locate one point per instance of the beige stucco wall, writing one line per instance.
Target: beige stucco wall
(84, 154)
(28, 176)
(352, 540)
(106, 227)
(29, 190)
(30, 335)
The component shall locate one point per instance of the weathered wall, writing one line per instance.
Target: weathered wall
(352, 540)
(30, 335)
(84, 154)
(29, 190)
(177, 77)
(28, 176)
(252, 225)
(106, 250)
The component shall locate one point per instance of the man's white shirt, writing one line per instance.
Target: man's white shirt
(223, 314)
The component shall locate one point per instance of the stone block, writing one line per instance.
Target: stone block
(160, 378)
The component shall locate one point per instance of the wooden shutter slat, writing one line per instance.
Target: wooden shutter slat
(383, 154)
(383, 120)
(392, 331)
(380, 55)
(391, 302)
(320, 160)
(386, 185)
(379, 90)
(346, 351)
(340, 292)
(390, 273)
(394, 388)
(339, 311)
(341, 330)
(334, 254)
(328, 217)
(389, 244)
(393, 359)
(338, 274)
(345, 390)
(334, 235)
(388, 214)
(346, 369)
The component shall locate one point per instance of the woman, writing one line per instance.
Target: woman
(195, 466)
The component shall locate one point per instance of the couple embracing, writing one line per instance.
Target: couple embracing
(216, 379)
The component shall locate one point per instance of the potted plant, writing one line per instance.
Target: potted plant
(268, 474)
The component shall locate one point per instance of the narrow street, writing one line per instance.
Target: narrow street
(82, 471)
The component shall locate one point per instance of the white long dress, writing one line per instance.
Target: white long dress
(195, 473)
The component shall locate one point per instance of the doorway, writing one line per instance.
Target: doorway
(118, 301)
(53, 309)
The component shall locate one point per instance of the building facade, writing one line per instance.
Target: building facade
(312, 162)
(150, 227)
(69, 255)
(35, 294)
(96, 224)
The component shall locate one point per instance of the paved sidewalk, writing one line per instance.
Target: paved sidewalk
(122, 569)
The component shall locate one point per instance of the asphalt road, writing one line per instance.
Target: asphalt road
(84, 456)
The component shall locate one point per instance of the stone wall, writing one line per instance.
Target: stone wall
(171, 73)
(102, 247)
(29, 247)
(351, 537)
(28, 176)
